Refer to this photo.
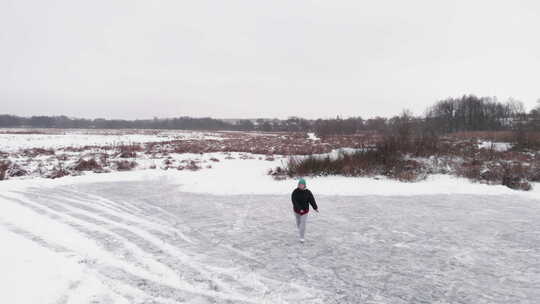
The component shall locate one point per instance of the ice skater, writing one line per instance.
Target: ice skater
(301, 199)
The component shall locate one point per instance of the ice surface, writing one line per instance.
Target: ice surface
(148, 241)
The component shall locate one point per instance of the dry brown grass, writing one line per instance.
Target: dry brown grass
(22, 132)
(87, 165)
(128, 150)
(497, 136)
(125, 165)
(462, 157)
(500, 136)
(189, 165)
(456, 154)
(265, 143)
(4, 165)
(58, 172)
(35, 152)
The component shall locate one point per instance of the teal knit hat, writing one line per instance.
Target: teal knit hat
(302, 181)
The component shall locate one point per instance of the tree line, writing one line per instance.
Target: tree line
(472, 113)
(465, 113)
(64, 122)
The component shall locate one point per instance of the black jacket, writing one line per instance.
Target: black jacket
(301, 199)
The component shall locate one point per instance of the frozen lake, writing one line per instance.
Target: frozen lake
(149, 242)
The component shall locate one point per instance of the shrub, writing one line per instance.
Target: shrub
(512, 174)
(129, 151)
(192, 165)
(62, 157)
(34, 152)
(470, 169)
(125, 165)
(383, 160)
(515, 176)
(16, 170)
(58, 172)
(3, 169)
(388, 157)
(87, 165)
(516, 183)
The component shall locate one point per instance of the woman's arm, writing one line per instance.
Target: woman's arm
(312, 201)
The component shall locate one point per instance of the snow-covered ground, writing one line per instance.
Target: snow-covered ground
(73, 138)
(31, 153)
(312, 136)
(496, 146)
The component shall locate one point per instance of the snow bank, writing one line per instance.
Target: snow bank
(497, 146)
(249, 176)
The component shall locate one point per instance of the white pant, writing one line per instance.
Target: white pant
(301, 223)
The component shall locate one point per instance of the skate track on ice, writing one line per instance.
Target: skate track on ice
(149, 242)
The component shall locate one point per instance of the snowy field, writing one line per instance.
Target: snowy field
(171, 237)
(12, 140)
(55, 153)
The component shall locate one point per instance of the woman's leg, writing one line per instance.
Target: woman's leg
(302, 226)
(297, 217)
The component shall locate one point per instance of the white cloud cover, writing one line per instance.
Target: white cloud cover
(242, 59)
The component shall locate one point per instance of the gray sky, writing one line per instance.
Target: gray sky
(247, 59)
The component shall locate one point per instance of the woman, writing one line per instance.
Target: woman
(301, 199)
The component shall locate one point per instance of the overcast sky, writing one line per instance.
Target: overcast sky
(249, 59)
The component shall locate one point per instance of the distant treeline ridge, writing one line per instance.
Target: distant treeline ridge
(466, 113)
